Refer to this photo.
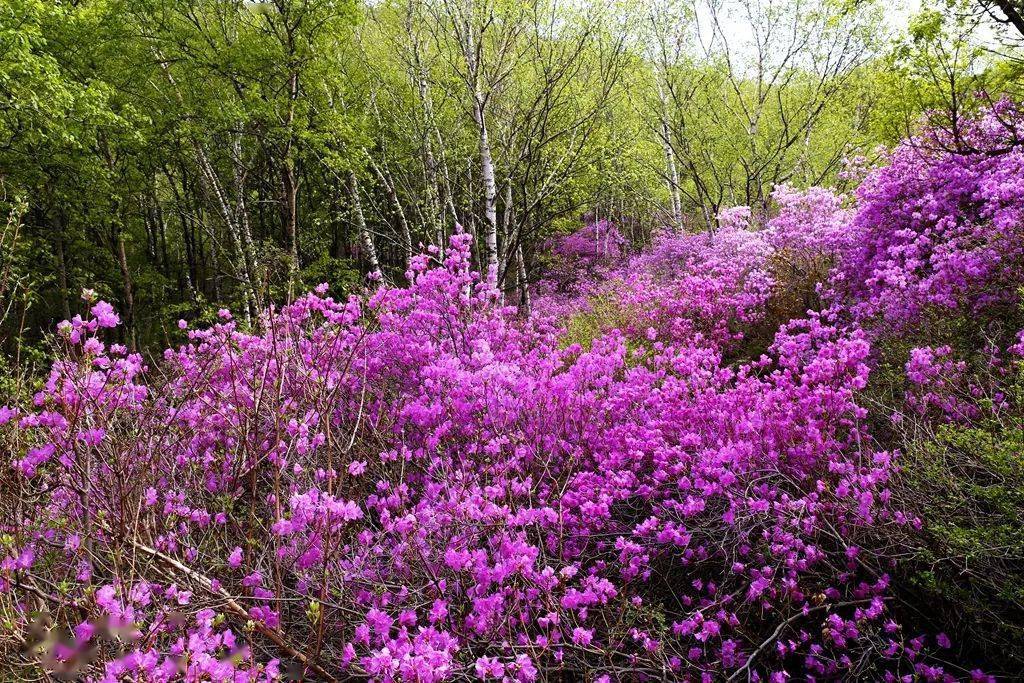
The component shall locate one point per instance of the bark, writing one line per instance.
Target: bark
(129, 291)
(161, 222)
(524, 286)
(289, 180)
(670, 161)
(507, 230)
(472, 41)
(146, 208)
(403, 224)
(241, 214)
(337, 224)
(1012, 13)
(229, 215)
(369, 249)
(57, 224)
(419, 74)
(189, 269)
(289, 191)
(490, 191)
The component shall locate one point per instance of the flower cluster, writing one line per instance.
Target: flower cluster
(687, 288)
(941, 226)
(423, 485)
(939, 383)
(573, 260)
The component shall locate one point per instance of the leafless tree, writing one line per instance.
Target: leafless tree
(745, 85)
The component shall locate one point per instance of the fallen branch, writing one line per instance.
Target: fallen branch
(778, 632)
(232, 605)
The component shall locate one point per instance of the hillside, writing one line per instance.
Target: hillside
(787, 448)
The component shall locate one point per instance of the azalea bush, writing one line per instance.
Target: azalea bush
(939, 228)
(703, 482)
(726, 289)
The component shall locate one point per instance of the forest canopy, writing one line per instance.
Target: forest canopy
(178, 157)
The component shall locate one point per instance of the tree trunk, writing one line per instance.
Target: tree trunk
(433, 167)
(506, 230)
(146, 208)
(435, 212)
(247, 248)
(490, 193)
(57, 224)
(1013, 15)
(289, 182)
(229, 217)
(364, 232)
(214, 186)
(129, 293)
(403, 224)
(670, 161)
(189, 269)
(523, 285)
(289, 191)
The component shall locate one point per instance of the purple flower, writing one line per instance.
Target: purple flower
(104, 314)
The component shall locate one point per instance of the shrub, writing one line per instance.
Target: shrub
(423, 486)
(682, 480)
(967, 480)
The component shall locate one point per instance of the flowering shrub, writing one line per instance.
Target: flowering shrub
(597, 242)
(942, 225)
(688, 288)
(940, 383)
(963, 465)
(933, 276)
(717, 288)
(424, 487)
(810, 225)
(420, 485)
(574, 260)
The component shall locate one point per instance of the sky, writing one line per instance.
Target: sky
(897, 15)
(896, 18)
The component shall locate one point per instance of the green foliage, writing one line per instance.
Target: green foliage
(970, 482)
(342, 275)
(966, 479)
(603, 313)
(190, 135)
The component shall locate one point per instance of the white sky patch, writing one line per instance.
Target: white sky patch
(738, 30)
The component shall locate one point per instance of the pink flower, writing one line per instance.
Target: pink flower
(582, 636)
(7, 413)
(104, 314)
(489, 667)
(92, 437)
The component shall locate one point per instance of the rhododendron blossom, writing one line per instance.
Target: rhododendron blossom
(941, 229)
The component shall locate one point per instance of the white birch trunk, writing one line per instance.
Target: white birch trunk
(364, 232)
(490, 193)
(670, 161)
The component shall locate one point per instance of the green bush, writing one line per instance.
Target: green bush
(966, 568)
